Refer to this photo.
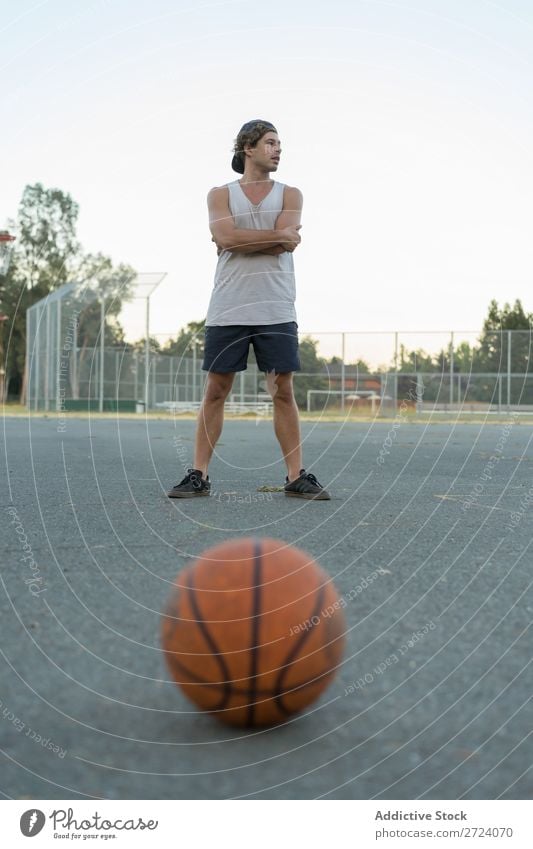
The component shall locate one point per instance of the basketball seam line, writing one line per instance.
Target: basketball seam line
(232, 681)
(217, 654)
(254, 657)
(294, 651)
(246, 691)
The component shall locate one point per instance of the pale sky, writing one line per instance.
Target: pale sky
(407, 124)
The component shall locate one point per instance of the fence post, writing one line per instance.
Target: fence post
(343, 369)
(74, 377)
(47, 359)
(147, 357)
(508, 370)
(59, 371)
(451, 367)
(419, 391)
(101, 363)
(194, 369)
(28, 365)
(36, 357)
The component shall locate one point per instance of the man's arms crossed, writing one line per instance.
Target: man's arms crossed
(284, 237)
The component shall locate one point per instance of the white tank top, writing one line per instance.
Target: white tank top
(253, 288)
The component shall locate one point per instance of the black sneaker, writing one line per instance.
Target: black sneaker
(306, 486)
(192, 485)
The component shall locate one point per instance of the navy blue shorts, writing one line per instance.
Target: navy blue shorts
(275, 347)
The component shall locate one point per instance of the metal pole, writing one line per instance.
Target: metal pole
(35, 357)
(499, 393)
(102, 349)
(75, 387)
(28, 360)
(395, 402)
(508, 370)
(194, 369)
(135, 376)
(343, 369)
(59, 371)
(451, 367)
(147, 355)
(419, 391)
(47, 359)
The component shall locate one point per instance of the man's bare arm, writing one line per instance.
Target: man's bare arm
(230, 238)
(275, 250)
(290, 216)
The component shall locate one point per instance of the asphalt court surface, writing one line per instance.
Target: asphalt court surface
(427, 537)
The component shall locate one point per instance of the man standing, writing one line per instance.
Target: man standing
(255, 225)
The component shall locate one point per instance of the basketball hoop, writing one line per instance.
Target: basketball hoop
(6, 248)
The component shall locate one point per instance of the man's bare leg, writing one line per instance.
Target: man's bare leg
(286, 421)
(211, 418)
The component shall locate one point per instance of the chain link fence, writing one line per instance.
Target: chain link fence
(372, 372)
(118, 379)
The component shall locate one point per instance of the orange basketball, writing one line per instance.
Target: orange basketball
(253, 631)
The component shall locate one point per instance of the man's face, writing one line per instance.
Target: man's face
(266, 153)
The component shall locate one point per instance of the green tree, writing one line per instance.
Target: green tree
(464, 358)
(44, 252)
(111, 286)
(47, 255)
(140, 345)
(46, 245)
(355, 368)
(413, 361)
(182, 344)
(492, 353)
(489, 356)
(311, 375)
